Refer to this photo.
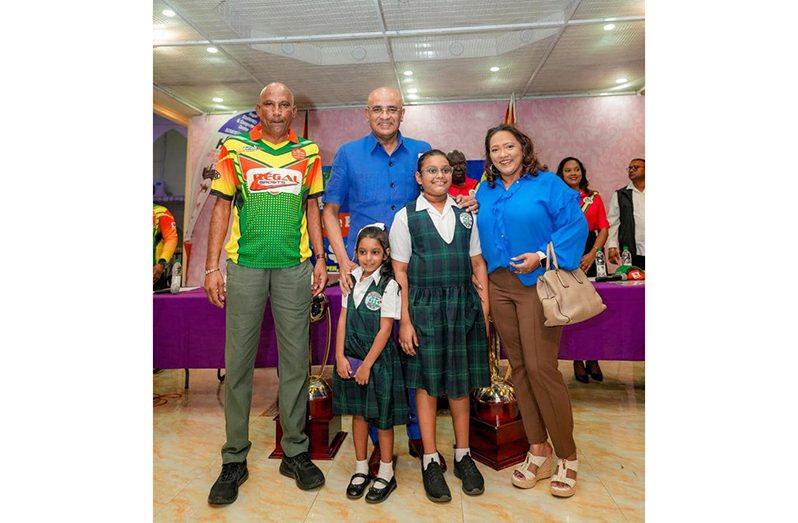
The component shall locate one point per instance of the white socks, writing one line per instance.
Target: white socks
(386, 473)
(361, 467)
(460, 453)
(428, 458)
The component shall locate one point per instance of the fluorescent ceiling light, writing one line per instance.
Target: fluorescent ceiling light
(408, 73)
(212, 50)
(621, 81)
(609, 27)
(412, 91)
(413, 96)
(494, 69)
(217, 99)
(168, 12)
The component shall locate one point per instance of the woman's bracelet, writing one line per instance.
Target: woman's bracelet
(209, 271)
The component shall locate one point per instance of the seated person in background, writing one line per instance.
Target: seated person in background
(573, 173)
(164, 243)
(627, 217)
(461, 183)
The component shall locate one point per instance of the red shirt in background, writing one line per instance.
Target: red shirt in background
(595, 214)
(469, 185)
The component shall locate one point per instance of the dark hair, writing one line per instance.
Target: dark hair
(583, 184)
(431, 152)
(637, 160)
(381, 235)
(529, 162)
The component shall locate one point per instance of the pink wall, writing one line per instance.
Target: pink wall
(604, 132)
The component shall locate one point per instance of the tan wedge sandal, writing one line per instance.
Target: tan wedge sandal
(543, 463)
(563, 466)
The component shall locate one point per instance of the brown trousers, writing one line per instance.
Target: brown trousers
(532, 350)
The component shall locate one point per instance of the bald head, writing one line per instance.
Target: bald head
(276, 111)
(385, 93)
(384, 114)
(276, 88)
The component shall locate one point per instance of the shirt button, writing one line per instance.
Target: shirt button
(393, 207)
(390, 164)
(393, 184)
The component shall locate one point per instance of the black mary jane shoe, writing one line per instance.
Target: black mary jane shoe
(594, 370)
(378, 495)
(354, 491)
(580, 373)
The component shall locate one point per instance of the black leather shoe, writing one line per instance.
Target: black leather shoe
(435, 484)
(579, 371)
(307, 475)
(355, 490)
(225, 490)
(594, 370)
(466, 470)
(416, 449)
(378, 495)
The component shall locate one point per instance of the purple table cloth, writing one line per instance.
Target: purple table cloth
(188, 332)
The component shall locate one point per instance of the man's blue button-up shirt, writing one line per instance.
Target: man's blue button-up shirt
(375, 184)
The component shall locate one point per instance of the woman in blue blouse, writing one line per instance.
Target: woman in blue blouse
(521, 210)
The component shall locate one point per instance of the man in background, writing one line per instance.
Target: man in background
(164, 243)
(627, 217)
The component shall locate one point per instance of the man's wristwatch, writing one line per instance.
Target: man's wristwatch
(321, 256)
(163, 262)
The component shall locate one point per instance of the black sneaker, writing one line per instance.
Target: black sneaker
(466, 470)
(435, 484)
(225, 490)
(307, 475)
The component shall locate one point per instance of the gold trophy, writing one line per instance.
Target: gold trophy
(319, 393)
(496, 431)
(496, 403)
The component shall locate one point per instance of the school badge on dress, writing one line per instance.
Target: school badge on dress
(373, 301)
(467, 220)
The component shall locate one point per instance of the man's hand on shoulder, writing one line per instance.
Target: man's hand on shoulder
(345, 282)
(468, 203)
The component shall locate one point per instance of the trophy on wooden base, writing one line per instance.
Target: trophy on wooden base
(322, 427)
(496, 432)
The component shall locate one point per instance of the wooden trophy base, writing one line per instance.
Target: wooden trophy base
(498, 445)
(325, 437)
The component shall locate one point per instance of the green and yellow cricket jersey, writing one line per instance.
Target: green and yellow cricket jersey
(269, 184)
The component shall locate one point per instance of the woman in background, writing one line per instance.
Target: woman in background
(574, 174)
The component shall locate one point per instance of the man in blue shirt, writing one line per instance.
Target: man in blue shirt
(376, 175)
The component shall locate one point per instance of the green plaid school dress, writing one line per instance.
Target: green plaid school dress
(452, 357)
(383, 401)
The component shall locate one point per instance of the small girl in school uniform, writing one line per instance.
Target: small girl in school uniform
(367, 380)
(435, 252)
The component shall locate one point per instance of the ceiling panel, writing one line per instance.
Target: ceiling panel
(337, 53)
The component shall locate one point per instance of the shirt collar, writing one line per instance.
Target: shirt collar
(257, 134)
(375, 276)
(634, 189)
(423, 204)
(372, 141)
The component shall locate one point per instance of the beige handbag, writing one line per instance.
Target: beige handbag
(568, 297)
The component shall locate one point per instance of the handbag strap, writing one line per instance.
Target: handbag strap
(551, 255)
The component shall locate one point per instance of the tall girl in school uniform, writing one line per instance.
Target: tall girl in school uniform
(435, 252)
(367, 379)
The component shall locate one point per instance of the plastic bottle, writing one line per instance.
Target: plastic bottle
(177, 276)
(601, 264)
(626, 257)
